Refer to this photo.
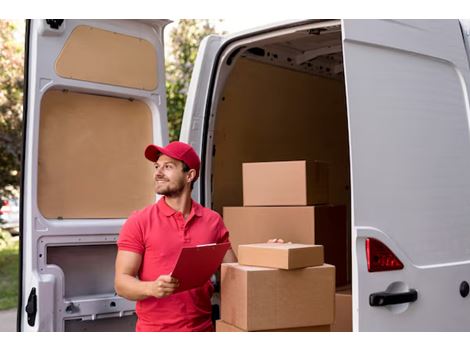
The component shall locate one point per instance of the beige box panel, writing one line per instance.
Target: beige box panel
(96, 55)
(91, 156)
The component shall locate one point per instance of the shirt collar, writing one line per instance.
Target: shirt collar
(196, 208)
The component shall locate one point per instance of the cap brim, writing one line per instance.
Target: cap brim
(152, 152)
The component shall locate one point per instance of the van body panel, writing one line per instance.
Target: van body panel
(86, 131)
(407, 102)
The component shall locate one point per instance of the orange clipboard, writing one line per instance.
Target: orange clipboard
(196, 265)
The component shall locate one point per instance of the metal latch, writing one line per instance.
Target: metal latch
(32, 307)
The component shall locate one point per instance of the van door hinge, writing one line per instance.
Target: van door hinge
(32, 307)
(54, 24)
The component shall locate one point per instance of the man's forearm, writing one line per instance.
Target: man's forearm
(131, 288)
(230, 257)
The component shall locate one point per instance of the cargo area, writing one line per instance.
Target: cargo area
(283, 99)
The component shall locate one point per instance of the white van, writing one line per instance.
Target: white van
(385, 102)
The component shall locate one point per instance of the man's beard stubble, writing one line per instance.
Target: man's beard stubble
(172, 191)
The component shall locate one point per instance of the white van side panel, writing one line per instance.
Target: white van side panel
(407, 93)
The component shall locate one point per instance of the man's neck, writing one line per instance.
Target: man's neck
(181, 203)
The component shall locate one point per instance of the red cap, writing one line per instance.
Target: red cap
(176, 150)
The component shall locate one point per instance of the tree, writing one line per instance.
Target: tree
(11, 107)
(184, 41)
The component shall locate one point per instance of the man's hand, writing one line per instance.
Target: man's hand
(276, 240)
(164, 286)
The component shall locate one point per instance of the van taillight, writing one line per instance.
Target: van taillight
(380, 257)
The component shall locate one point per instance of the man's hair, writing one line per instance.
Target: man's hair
(186, 169)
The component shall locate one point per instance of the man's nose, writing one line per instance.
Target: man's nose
(158, 172)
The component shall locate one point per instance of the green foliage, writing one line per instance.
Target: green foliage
(9, 266)
(184, 41)
(11, 107)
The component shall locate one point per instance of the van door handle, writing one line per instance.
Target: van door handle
(380, 299)
(32, 307)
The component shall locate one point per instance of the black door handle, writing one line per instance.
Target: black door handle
(32, 307)
(379, 299)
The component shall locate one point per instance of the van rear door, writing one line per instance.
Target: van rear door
(193, 129)
(407, 99)
(95, 97)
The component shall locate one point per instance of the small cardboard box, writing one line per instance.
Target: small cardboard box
(322, 224)
(283, 183)
(280, 255)
(222, 326)
(256, 298)
(343, 312)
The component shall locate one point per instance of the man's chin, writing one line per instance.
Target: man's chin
(168, 192)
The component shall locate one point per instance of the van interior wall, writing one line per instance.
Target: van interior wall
(93, 276)
(268, 113)
(121, 324)
(91, 162)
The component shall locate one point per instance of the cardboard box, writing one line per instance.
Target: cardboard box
(285, 183)
(281, 255)
(222, 326)
(255, 298)
(324, 225)
(343, 312)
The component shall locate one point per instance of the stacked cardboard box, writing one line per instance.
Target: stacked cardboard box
(222, 326)
(343, 311)
(285, 183)
(289, 200)
(271, 298)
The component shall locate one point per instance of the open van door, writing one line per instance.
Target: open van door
(193, 129)
(95, 97)
(407, 88)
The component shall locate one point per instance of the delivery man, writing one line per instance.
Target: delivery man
(151, 239)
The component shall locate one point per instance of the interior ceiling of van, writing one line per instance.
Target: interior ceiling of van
(316, 51)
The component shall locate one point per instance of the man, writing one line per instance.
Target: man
(151, 239)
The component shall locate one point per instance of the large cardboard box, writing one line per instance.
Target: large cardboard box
(280, 255)
(256, 298)
(323, 224)
(222, 326)
(343, 311)
(281, 183)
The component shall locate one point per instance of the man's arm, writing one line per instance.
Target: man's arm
(127, 285)
(230, 257)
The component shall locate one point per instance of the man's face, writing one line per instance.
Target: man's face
(169, 176)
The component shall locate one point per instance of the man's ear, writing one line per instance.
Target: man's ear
(191, 175)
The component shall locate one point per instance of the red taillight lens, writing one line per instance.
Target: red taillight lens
(380, 257)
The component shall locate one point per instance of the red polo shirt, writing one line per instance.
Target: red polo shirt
(158, 233)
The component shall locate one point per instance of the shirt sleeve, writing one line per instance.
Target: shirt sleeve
(131, 236)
